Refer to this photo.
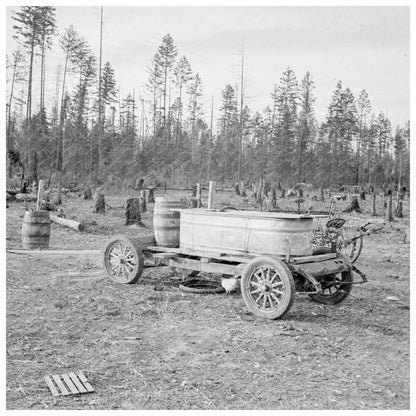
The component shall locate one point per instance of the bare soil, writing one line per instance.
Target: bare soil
(151, 346)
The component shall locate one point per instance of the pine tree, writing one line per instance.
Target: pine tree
(306, 126)
(166, 55)
(341, 125)
(30, 23)
(364, 109)
(286, 101)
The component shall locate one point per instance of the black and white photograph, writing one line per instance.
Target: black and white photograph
(208, 206)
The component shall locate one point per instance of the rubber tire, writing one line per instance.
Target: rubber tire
(339, 295)
(210, 288)
(288, 287)
(138, 257)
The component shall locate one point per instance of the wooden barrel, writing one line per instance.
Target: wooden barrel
(166, 222)
(36, 230)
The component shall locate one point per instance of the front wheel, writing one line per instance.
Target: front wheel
(335, 288)
(267, 287)
(123, 260)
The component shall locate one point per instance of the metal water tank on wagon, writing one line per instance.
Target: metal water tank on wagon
(270, 253)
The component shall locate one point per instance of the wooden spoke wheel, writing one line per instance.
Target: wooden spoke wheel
(334, 289)
(123, 260)
(267, 287)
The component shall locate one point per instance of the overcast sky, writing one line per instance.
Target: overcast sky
(364, 47)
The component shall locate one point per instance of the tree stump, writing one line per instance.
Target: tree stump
(237, 190)
(139, 183)
(151, 196)
(354, 206)
(362, 195)
(133, 211)
(143, 207)
(100, 204)
(193, 202)
(88, 193)
(321, 190)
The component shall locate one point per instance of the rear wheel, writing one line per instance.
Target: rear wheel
(123, 260)
(267, 287)
(334, 290)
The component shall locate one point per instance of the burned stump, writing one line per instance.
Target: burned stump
(100, 204)
(354, 206)
(133, 211)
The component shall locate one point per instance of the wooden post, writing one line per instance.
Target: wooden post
(373, 204)
(389, 210)
(321, 189)
(40, 195)
(211, 194)
(198, 195)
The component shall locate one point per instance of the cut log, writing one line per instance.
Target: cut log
(26, 197)
(78, 226)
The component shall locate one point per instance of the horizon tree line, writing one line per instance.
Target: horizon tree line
(90, 134)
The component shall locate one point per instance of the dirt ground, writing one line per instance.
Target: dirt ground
(151, 346)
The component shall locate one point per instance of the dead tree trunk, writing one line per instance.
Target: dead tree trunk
(353, 206)
(100, 204)
(237, 189)
(283, 193)
(143, 207)
(389, 208)
(373, 204)
(242, 189)
(198, 195)
(133, 211)
(321, 190)
(399, 209)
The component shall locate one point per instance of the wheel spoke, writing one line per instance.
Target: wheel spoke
(255, 291)
(255, 284)
(273, 295)
(274, 277)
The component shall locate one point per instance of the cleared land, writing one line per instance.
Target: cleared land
(152, 346)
